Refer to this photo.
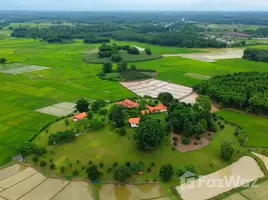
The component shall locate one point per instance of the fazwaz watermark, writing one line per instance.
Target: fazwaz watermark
(189, 180)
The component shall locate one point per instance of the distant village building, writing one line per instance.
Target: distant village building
(128, 104)
(134, 122)
(80, 117)
(239, 35)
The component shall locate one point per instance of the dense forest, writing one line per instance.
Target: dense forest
(243, 90)
(256, 54)
(187, 36)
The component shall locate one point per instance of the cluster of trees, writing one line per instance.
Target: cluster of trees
(178, 39)
(126, 73)
(3, 60)
(27, 149)
(61, 137)
(107, 50)
(191, 120)
(96, 40)
(256, 54)
(243, 90)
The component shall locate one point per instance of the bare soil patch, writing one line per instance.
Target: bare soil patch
(130, 192)
(152, 87)
(76, 190)
(245, 169)
(194, 143)
(213, 55)
(14, 179)
(23, 187)
(6, 172)
(59, 109)
(46, 190)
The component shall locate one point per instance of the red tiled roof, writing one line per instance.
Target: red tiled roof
(157, 108)
(134, 121)
(80, 116)
(129, 104)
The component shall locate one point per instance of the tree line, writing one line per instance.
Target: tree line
(243, 90)
(256, 54)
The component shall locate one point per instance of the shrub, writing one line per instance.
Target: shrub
(51, 160)
(35, 159)
(115, 164)
(166, 172)
(61, 137)
(227, 150)
(103, 111)
(222, 126)
(52, 166)
(152, 164)
(149, 169)
(75, 172)
(236, 133)
(128, 164)
(66, 121)
(122, 131)
(27, 149)
(175, 143)
(101, 165)
(185, 140)
(90, 162)
(195, 143)
(122, 173)
(77, 162)
(90, 115)
(174, 138)
(198, 137)
(62, 169)
(43, 163)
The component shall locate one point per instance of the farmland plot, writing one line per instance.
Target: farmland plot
(16, 68)
(204, 190)
(153, 87)
(59, 109)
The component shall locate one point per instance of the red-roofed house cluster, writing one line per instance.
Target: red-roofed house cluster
(134, 122)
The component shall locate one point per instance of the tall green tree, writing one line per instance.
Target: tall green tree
(227, 150)
(122, 173)
(166, 172)
(82, 105)
(107, 67)
(117, 116)
(166, 98)
(3, 60)
(149, 134)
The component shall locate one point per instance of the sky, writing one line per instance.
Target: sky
(134, 5)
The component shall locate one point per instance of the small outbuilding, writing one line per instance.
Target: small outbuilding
(80, 116)
(134, 122)
(157, 109)
(128, 104)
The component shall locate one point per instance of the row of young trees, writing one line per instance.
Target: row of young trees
(256, 54)
(243, 90)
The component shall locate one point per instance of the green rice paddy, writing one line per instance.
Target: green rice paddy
(70, 78)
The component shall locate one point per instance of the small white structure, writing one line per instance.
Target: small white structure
(134, 122)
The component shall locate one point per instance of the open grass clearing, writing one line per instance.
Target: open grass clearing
(214, 55)
(197, 76)
(92, 146)
(192, 190)
(256, 126)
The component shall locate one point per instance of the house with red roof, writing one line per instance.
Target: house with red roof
(128, 104)
(80, 116)
(134, 122)
(157, 109)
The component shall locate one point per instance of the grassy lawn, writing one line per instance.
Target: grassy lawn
(93, 57)
(256, 126)
(107, 146)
